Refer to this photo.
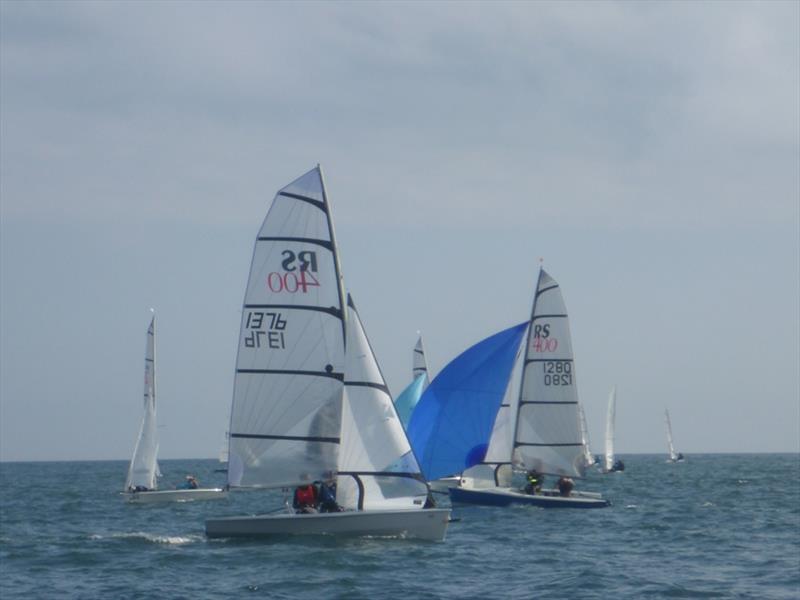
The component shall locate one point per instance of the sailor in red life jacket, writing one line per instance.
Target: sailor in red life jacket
(305, 499)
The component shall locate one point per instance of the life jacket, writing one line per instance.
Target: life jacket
(306, 496)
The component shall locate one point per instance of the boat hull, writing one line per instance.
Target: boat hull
(424, 524)
(158, 496)
(508, 496)
(445, 483)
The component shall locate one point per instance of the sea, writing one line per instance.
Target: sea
(714, 526)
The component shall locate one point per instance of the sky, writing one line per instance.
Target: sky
(647, 153)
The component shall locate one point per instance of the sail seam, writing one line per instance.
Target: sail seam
(556, 316)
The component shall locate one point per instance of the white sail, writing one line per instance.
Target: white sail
(588, 457)
(377, 469)
(418, 362)
(286, 411)
(608, 459)
(673, 456)
(547, 432)
(144, 466)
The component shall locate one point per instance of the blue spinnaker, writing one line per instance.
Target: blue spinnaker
(452, 423)
(408, 398)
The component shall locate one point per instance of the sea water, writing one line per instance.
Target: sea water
(715, 526)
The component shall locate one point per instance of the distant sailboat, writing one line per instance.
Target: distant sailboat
(141, 482)
(673, 456)
(588, 457)
(310, 403)
(408, 398)
(610, 464)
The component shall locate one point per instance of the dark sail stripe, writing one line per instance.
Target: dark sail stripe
(566, 445)
(324, 243)
(288, 438)
(331, 374)
(548, 317)
(318, 203)
(331, 310)
(377, 386)
(547, 289)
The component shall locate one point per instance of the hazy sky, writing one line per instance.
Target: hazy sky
(649, 152)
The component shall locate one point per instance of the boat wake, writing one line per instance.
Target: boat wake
(152, 538)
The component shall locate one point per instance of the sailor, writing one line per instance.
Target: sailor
(189, 484)
(327, 497)
(565, 485)
(305, 499)
(535, 480)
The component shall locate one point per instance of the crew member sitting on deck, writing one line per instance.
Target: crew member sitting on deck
(327, 497)
(535, 480)
(305, 499)
(189, 484)
(565, 485)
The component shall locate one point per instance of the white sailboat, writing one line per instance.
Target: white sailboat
(588, 457)
(610, 464)
(673, 456)
(534, 423)
(141, 482)
(310, 403)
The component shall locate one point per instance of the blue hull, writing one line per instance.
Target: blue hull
(505, 497)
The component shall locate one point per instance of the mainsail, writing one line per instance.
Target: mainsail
(608, 459)
(451, 426)
(286, 412)
(144, 467)
(547, 433)
(377, 468)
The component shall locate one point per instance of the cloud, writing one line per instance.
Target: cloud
(638, 115)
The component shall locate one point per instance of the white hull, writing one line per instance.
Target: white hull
(176, 495)
(425, 524)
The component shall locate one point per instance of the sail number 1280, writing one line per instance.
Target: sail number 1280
(557, 372)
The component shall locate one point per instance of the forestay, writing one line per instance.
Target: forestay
(547, 433)
(144, 468)
(451, 426)
(377, 469)
(285, 417)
